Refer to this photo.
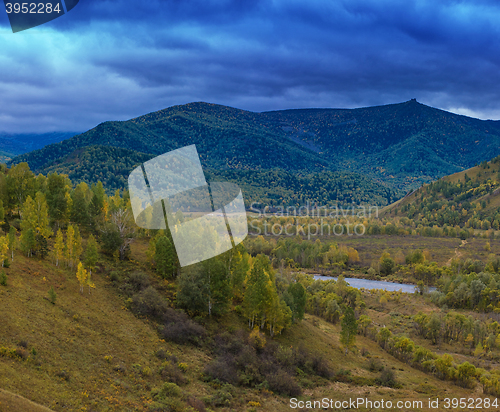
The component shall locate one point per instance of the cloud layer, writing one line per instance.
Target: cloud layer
(113, 60)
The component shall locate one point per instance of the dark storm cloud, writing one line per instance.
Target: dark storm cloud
(119, 59)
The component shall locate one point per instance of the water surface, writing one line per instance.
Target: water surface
(375, 284)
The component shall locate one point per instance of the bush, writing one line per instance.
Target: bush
(52, 295)
(132, 283)
(171, 372)
(63, 375)
(169, 390)
(138, 281)
(110, 239)
(319, 366)
(168, 405)
(146, 371)
(149, 303)
(343, 375)
(374, 365)
(3, 278)
(120, 368)
(222, 369)
(281, 382)
(162, 354)
(285, 356)
(196, 403)
(22, 353)
(223, 396)
(229, 343)
(257, 339)
(313, 364)
(114, 276)
(180, 329)
(387, 378)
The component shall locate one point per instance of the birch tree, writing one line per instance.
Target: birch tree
(82, 276)
(12, 240)
(4, 249)
(59, 247)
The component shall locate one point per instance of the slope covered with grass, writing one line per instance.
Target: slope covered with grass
(90, 352)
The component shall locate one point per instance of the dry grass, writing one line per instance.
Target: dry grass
(10, 402)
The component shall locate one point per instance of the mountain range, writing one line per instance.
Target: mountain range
(13, 144)
(389, 149)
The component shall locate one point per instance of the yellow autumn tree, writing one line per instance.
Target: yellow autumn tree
(353, 256)
(4, 249)
(469, 340)
(82, 276)
(42, 215)
(70, 241)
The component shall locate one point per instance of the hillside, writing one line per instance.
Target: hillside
(262, 187)
(399, 145)
(89, 351)
(470, 198)
(10, 402)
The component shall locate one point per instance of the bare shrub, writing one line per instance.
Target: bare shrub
(281, 382)
(222, 369)
(149, 303)
(180, 329)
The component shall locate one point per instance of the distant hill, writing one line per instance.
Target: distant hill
(470, 198)
(400, 146)
(15, 144)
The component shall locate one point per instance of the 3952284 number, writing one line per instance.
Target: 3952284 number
(32, 8)
(470, 403)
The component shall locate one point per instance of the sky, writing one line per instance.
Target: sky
(119, 59)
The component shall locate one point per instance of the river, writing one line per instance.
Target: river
(375, 284)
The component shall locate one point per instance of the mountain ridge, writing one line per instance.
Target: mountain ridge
(400, 145)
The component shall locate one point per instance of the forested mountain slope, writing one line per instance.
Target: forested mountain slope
(400, 145)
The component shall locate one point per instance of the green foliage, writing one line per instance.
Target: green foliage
(240, 266)
(415, 257)
(28, 241)
(58, 196)
(204, 288)
(192, 291)
(165, 257)
(149, 302)
(79, 208)
(52, 295)
(349, 328)
(3, 278)
(297, 300)
(387, 378)
(110, 239)
(387, 266)
(12, 240)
